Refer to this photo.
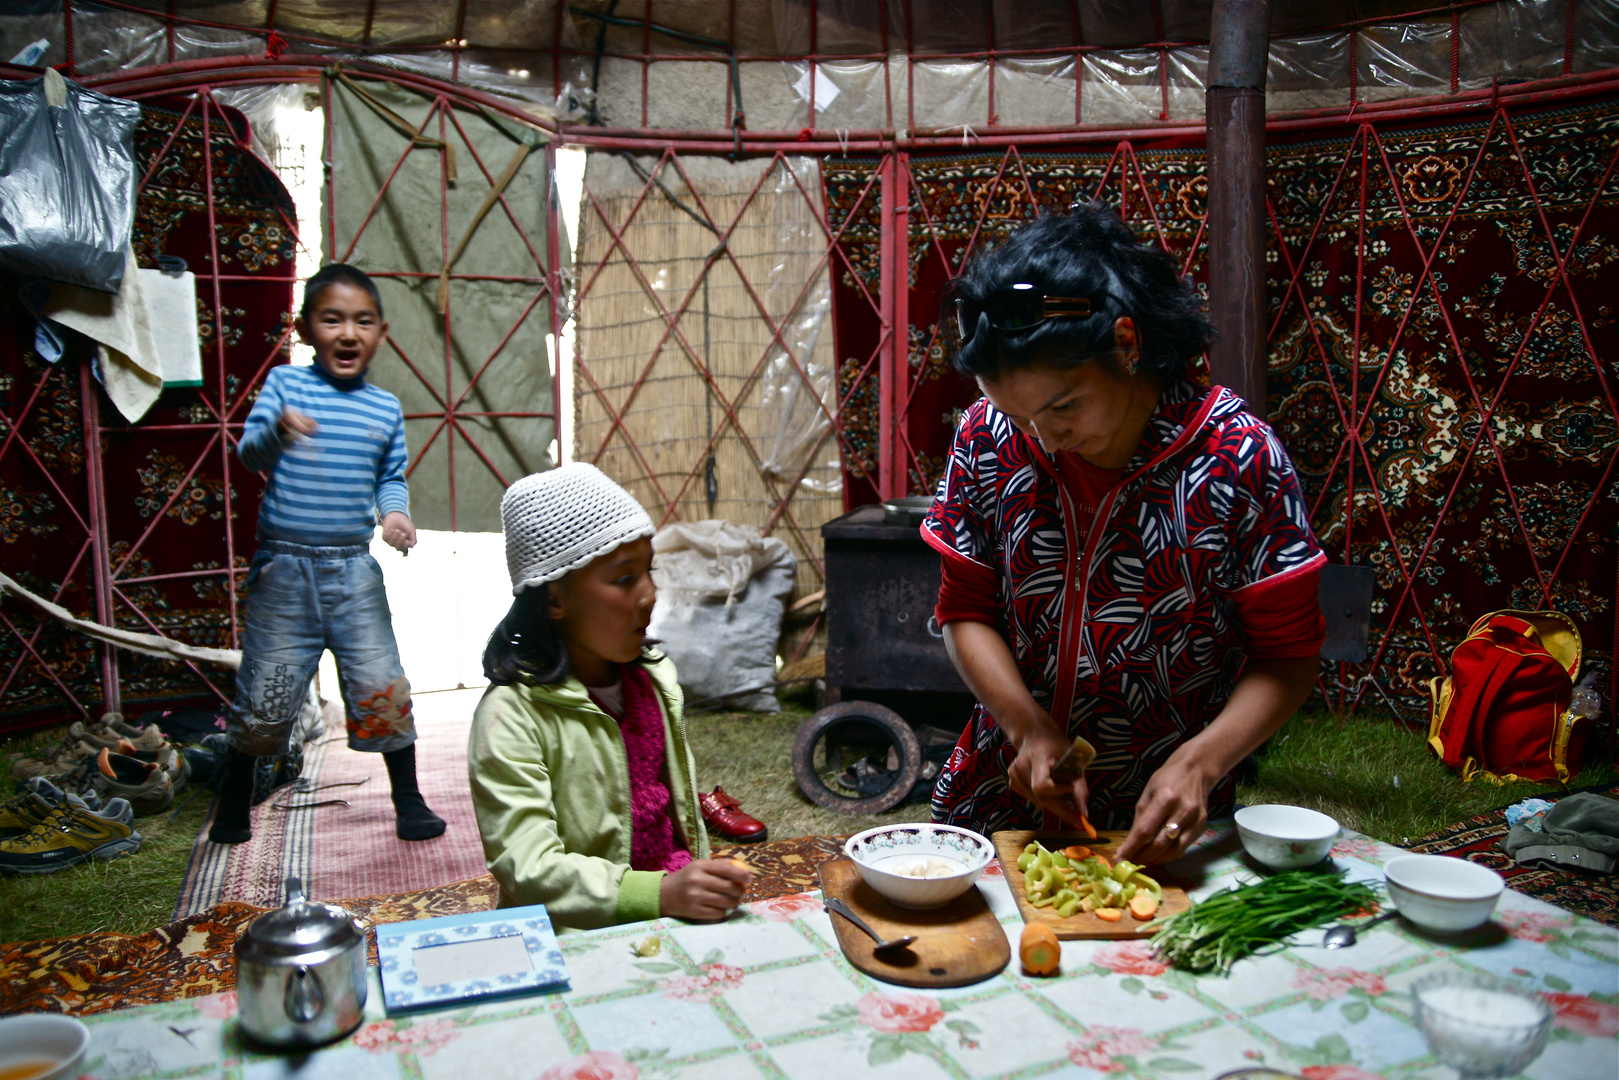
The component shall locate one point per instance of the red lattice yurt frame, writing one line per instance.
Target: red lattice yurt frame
(887, 237)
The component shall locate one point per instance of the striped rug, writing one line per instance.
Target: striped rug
(336, 832)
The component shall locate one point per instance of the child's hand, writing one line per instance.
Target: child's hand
(398, 531)
(295, 425)
(704, 891)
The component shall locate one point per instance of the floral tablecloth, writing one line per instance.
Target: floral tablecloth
(768, 994)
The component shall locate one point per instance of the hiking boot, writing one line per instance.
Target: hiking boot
(80, 780)
(114, 721)
(144, 783)
(33, 804)
(52, 763)
(68, 835)
(167, 758)
(97, 735)
(147, 740)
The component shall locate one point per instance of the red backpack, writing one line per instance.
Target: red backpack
(1503, 710)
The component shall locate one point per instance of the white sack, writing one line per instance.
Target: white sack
(722, 589)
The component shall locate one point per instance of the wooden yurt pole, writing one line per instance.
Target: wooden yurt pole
(1239, 45)
(100, 545)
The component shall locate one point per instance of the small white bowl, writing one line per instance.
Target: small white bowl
(43, 1039)
(1286, 837)
(1442, 894)
(876, 851)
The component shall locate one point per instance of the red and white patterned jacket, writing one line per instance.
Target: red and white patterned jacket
(1132, 631)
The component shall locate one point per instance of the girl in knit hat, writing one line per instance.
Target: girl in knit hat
(582, 779)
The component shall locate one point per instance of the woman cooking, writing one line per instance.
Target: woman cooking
(1127, 556)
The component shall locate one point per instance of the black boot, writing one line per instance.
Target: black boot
(416, 821)
(232, 824)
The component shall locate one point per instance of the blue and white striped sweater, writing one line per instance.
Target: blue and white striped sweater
(332, 488)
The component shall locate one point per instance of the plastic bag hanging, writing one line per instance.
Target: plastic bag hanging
(67, 181)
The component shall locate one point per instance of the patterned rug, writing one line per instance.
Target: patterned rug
(166, 504)
(1434, 281)
(352, 848)
(1478, 839)
(336, 832)
(191, 956)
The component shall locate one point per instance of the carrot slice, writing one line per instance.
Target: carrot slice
(1143, 906)
(1110, 914)
(1090, 830)
(1077, 852)
(1039, 949)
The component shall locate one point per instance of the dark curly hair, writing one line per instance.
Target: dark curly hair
(1087, 252)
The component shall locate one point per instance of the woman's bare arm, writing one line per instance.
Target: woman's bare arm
(1269, 692)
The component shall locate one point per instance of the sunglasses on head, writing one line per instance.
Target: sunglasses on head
(1018, 308)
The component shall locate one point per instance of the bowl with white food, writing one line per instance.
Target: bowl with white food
(919, 865)
(1481, 1025)
(1441, 894)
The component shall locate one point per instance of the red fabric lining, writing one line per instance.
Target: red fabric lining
(1277, 580)
(1283, 620)
(968, 591)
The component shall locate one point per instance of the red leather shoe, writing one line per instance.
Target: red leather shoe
(724, 816)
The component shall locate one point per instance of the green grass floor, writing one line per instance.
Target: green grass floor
(1373, 775)
(128, 895)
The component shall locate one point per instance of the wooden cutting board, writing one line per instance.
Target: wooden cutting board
(1081, 924)
(958, 944)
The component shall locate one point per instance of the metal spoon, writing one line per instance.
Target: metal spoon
(1343, 935)
(832, 903)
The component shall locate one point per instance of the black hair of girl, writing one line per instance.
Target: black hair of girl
(337, 274)
(527, 645)
(1087, 252)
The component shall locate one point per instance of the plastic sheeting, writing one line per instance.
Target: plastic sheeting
(67, 200)
(1137, 63)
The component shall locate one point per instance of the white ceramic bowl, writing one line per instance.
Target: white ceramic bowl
(43, 1038)
(1286, 837)
(876, 851)
(1442, 894)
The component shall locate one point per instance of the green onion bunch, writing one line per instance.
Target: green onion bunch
(1246, 919)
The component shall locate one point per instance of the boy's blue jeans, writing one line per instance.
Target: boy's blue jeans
(300, 601)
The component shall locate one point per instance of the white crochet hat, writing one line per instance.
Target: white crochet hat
(560, 520)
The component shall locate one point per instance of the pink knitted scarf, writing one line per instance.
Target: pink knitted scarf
(653, 844)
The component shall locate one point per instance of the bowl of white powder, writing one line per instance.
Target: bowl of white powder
(921, 865)
(1480, 1025)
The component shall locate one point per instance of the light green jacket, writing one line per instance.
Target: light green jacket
(551, 788)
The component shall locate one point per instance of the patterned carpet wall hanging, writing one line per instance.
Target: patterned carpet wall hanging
(172, 486)
(1442, 331)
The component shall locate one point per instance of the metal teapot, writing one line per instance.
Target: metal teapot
(300, 973)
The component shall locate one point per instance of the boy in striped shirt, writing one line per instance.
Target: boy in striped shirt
(333, 447)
